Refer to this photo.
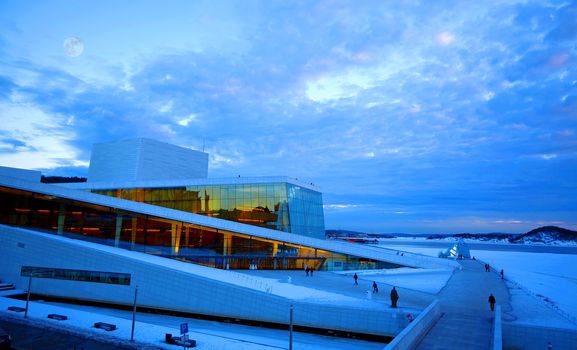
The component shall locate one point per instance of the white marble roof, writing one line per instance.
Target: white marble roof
(104, 185)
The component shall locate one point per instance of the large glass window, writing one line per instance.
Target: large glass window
(76, 275)
(168, 238)
(278, 206)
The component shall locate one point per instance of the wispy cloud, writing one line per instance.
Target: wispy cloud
(42, 142)
(340, 206)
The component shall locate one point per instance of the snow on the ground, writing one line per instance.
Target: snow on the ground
(546, 277)
(449, 240)
(417, 239)
(421, 250)
(551, 277)
(424, 280)
(210, 335)
(284, 288)
(277, 287)
(271, 337)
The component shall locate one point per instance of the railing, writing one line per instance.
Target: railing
(418, 259)
(252, 282)
(250, 261)
(497, 330)
(416, 330)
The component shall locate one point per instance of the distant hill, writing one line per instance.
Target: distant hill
(543, 235)
(546, 235)
(493, 236)
(346, 233)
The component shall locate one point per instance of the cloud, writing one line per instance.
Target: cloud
(445, 38)
(566, 25)
(187, 120)
(547, 156)
(339, 206)
(446, 110)
(510, 222)
(166, 107)
(42, 142)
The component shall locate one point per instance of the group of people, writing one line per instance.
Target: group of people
(394, 293)
(488, 269)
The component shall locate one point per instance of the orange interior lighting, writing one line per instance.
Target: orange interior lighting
(251, 220)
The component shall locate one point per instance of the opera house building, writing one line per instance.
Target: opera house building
(149, 216)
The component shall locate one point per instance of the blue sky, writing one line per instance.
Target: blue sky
(411, 116)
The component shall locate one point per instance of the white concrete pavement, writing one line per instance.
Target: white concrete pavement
(467, 321)
(344, 284)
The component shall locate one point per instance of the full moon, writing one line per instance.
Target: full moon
(73, 46)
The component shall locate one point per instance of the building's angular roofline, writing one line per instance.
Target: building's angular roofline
(25, 174)
(106, 185)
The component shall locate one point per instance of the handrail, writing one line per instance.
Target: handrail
(497, 330)
(414, 332)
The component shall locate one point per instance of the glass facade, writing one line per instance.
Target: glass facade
(76, 275)
(278, 206)
(164, 237)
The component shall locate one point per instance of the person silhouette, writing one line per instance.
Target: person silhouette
(492, 301)
(394, 297)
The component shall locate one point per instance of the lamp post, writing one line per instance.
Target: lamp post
(291, 329)
(28, 296)
(134, 313)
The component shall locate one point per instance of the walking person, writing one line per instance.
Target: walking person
(502, 274)
(394, 297)
(375, 287)
(356, 278)
(311, 270)
(492, 302)
(307, 270)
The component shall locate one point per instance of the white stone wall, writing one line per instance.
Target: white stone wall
(497, 329)
(145, 159)
(166, 286)
(23, 174)
(531, 337)
(414, 333)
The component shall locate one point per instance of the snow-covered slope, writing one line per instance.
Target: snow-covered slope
(548, 235)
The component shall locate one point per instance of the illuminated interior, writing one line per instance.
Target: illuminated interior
(278, 206)
(163, 237)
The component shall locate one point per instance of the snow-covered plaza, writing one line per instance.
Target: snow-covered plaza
(539, 286)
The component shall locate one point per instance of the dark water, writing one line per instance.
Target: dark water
(526, 248)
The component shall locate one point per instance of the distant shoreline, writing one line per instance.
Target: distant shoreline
(528, 248)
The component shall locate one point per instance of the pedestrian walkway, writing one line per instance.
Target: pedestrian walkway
(344, 284)
(467, 321)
